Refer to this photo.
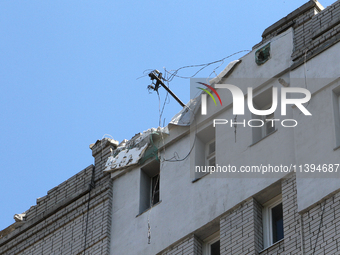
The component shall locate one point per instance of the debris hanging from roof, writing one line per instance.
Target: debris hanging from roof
(184, 117)
(129, 153)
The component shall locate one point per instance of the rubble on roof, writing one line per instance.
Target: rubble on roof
(19, 217)
(125, 158)
(129, 152)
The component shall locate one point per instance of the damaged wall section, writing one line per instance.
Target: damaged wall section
(138, 150)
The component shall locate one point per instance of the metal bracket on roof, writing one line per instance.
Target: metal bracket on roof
(159, 81)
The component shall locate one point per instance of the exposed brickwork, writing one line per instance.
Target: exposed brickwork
(276, 249)
(321, 227)
(189, 246)
(291, 217)
(316, 32)
(60, 192)
(57, 224)
(241, 229)
(298, 19)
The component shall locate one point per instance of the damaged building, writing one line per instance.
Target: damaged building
(145, 195)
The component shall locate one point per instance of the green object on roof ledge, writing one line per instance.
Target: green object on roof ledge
(262, 54)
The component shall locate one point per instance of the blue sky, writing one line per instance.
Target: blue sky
(69, 74)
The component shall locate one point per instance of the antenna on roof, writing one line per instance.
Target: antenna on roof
(153, 76)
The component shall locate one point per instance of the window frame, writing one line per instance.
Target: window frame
(267, 221)
(148, 172)
(336, 116)
(266, 121)
(209, 241)
(212, 155)
(158, 176)
(263, 101)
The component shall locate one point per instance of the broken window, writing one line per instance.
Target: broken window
(154, 198)
(149, 185)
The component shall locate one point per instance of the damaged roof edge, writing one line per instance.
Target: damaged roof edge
(185, 117)
(227, 71)
(99, 144)
(131, 152)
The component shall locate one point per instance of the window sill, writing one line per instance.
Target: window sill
(271, 246)
(199, 178)
(148, 209)
(263, 138)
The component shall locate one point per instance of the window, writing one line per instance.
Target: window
(265, 124)
(154, 198)
(338, 96)
(211, 245)
(272, 221)
(336, 109)
(149, 186)
(203, 152)
(269, 124)
(210, 152)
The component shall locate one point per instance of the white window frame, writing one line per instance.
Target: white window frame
(212, 155)
(209, 241)
(267, 220)
(336, 112)
(265, 121)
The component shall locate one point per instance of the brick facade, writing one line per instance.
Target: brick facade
(75, 217)
(241, 229)
(69, 215)
(189, 246)
(291, 217)
(315, 30)
(321, 227)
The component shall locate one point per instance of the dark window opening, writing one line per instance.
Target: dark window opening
(277, 223)
(215, 248)
(149, 186)
(154, 190)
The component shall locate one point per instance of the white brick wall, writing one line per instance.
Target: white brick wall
(189, 246)
(241, 229)
(56, 225)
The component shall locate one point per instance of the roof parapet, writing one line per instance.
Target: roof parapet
(291, 16)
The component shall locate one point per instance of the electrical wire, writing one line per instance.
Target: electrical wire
(174, 74)
(320, 225)
(91, 186)
(144, 73)
(168, 78)
(165, 101)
